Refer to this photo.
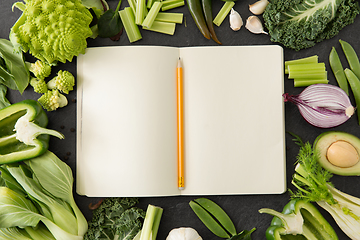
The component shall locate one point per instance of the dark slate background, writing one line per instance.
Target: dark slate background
(243, 209)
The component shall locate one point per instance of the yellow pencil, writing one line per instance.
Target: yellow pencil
(180, 129)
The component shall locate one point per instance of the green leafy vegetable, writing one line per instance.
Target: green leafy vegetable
(299, 24)
(4, 102)
(109, 24)
(115, 218)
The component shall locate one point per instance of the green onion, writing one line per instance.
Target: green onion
(162, 27)
(131, 29)
(170, 17)
(224, 11)
(150, 17)
(170, 4)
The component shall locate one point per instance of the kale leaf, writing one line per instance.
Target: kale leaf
(300, 24)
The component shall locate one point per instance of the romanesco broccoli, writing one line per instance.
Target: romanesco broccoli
(52, 30)
(52, 100)
(39, 85)
(64, 82)
(40, 69)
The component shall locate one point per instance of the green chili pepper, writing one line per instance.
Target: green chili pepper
(298, 220)
(23, 133)
(197, 14)
(207, 8)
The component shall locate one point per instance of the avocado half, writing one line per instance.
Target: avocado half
(325, 140)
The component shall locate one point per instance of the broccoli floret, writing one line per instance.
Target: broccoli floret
(64, 82)
(52, 30)
(52, 100)
(300, 24)
(39, 85)
(40, 69)
(115, 218)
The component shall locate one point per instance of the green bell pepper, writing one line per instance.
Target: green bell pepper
(23, 133)
(298, 220)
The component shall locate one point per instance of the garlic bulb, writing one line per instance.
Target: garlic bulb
(258, 7)
(235, 20)
(254, 25)
(183, 233)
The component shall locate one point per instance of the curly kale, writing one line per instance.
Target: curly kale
(115, 218)
(300, 24)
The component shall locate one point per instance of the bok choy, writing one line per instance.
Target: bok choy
(36, 201)
(313, 184)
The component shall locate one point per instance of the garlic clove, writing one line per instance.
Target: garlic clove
(183, 233)
(258, 7)
(235, 20)
(254, 25)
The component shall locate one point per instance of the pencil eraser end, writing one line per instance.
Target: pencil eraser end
(181, 188)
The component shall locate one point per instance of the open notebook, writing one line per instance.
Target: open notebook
(233, 121)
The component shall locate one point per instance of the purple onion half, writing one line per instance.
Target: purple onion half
(323, 105)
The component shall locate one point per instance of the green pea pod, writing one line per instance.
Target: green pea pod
(208, 220)
(207, 8)
(197, 14)
(338, 70)
(355, 88)
(351, 57)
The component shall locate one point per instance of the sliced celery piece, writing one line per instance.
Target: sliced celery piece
(162, 27)
(150, 17)
(132, 4)
(170, 17)
(151, 223)
(140, 11)
(131, 29)
(170, 4)
(224, 11)
(307, 82)
(311, 59)
(307, 67)
(308, 74)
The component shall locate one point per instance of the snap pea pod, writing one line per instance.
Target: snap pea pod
(197, 14)
(351, 57)
(355, 88)
(214, 217)
(207, 8)
(338, 70)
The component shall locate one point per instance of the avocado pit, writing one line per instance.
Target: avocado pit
(342, 154)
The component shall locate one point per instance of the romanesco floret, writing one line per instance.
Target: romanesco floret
(39, 85)
(52, 30)
(64, 82)
(40, 69)
(53, 100)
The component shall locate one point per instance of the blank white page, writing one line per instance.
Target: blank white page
(126, 133)
(234, 120)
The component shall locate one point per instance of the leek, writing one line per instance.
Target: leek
(224, 11)
(312, 183)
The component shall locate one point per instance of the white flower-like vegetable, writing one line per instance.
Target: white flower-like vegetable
(254, 25)
(183, 233)
(235, 20)
(258, 7)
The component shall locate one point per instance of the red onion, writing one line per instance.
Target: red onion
(323, 105)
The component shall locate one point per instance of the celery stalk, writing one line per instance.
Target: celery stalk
(132, 4)
(151, 223)
(170, 17)
(308, 74)
(170, 4)
(311, 59)
(131, 29)
(307, 67)
(150, 17)
(162, 27)
(300, 82)
(140, 11)
(224, 11)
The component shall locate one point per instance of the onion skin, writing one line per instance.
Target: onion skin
(322, 105)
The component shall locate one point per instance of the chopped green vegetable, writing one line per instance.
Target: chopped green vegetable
(151, 223)
(162, 27)
(40, 69)
(303, 23)
(64, 82)
(169, 17)
(150, 17)
(303, 82)
(224, 11)
(30, 138)
(140, 11)
(52, 100)
(39, 85)
(131, 29)
(306, 60)
(170, 4)
(298, 218)
(115, 218)
(216, 220)
(53, 30)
